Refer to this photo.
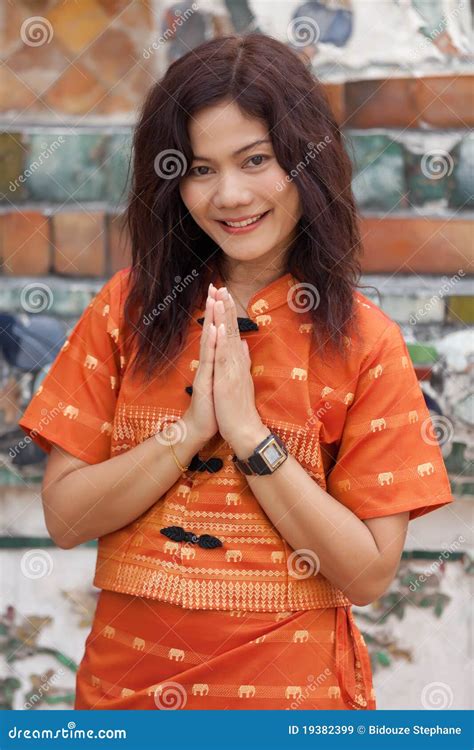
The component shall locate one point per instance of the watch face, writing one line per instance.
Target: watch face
(272, 453)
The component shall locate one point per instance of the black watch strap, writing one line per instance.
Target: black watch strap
(259, 461)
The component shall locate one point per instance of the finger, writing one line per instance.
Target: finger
(231, 324)
(208, 317)
(219, 314)
(233, 321)
(222, 350)
(212, 290)
(206, 355)
(235, 340)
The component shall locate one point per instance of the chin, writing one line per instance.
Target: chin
(244, 256)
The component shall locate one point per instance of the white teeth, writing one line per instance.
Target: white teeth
(243, 223)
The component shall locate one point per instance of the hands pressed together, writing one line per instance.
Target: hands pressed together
(223, 397)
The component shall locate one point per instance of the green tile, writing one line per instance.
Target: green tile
(427, 175)
(378, 180)
(422, 354)
(68, 303)
(460, 309)
(13, 152)
(461, 185)
(12, 479)
(456, 462)
(431, 11)
(70, 167)
(462, 489)
(9, 299)
(32, 542)
(120, 148)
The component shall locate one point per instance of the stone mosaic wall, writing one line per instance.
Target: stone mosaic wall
(399, 77)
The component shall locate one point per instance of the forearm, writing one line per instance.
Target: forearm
(309, 518)
(98, 499)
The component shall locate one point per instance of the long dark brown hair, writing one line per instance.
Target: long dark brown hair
(173, 259)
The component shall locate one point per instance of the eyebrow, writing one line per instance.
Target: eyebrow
(239, 150)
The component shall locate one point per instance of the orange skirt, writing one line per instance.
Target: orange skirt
(148, 654)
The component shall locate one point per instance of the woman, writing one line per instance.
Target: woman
(241, 429)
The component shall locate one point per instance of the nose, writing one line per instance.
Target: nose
(232, 191)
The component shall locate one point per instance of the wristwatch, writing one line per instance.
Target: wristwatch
(267, 456)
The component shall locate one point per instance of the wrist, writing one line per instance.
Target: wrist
(193, 437)
(246, 441)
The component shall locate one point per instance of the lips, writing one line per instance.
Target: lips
(244, 218)
(251, 223)
(247, 228)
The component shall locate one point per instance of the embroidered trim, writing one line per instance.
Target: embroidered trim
(139, 579)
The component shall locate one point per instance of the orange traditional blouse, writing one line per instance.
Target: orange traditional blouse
(357, 426)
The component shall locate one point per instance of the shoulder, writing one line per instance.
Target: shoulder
(107, 306)
(117, 283)
(377, 330)
(113, 292)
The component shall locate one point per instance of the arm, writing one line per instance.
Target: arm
(359, 557)
(85, 503)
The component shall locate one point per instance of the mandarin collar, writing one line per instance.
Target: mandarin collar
(275, 294)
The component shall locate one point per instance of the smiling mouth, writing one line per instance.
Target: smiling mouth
(247, 222)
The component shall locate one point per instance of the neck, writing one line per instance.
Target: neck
(250, 277)
(242, 286)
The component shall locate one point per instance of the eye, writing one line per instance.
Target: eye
(259, 156)
(198, 174)
(193, 170)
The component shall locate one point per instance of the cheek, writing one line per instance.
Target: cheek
(192, 198)
(289, 201)
(281, 191)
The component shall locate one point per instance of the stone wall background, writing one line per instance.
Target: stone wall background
(399, 77)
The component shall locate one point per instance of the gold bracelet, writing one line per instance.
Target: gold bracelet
(181, 468)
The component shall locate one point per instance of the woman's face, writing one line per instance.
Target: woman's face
(223, 184)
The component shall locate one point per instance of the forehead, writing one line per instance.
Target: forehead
(219, 130)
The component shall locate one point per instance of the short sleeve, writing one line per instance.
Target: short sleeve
(75, 404)
(388, 459)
